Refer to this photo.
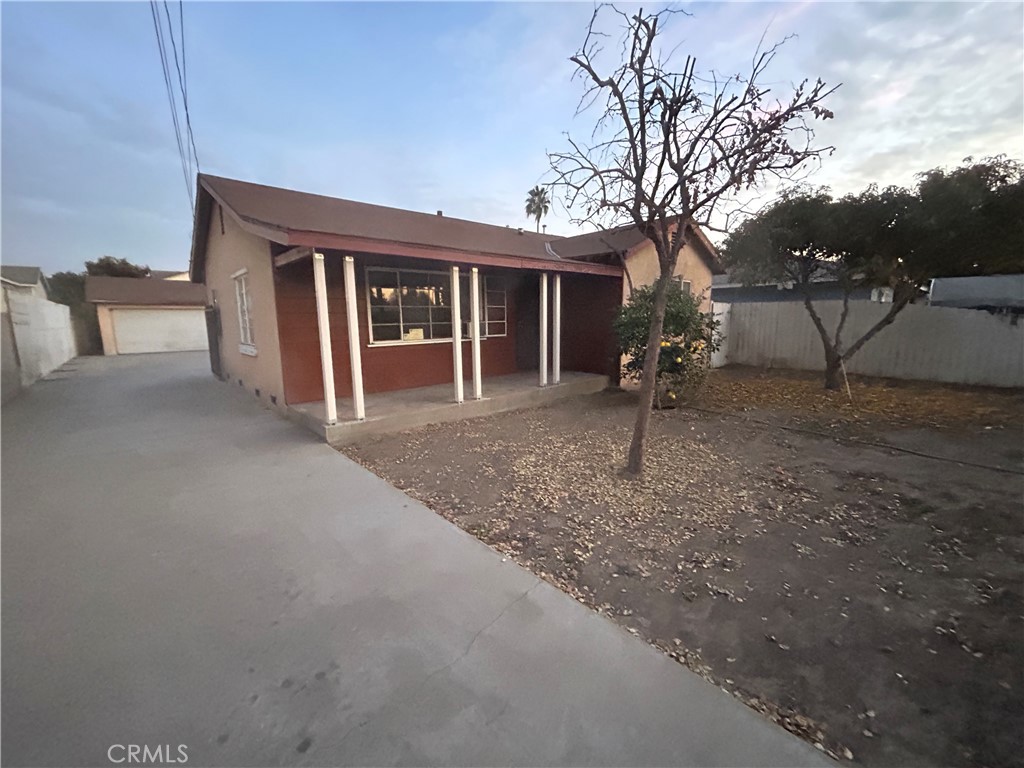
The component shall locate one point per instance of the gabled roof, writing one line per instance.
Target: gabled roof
(21, 275)
(300, 219)
(164, 274)
(289, 217)
(600, 243)
(100, 289)
(622, 239)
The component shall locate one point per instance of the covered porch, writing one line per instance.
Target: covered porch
(409, 408)
(382, 341)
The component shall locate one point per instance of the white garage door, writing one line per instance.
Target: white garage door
(159, 330)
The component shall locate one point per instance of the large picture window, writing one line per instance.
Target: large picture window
(414, 306)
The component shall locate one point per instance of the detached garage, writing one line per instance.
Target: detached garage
(147, 314)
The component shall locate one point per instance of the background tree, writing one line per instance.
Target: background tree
(538, 203)
(111, 267)
(668, 146)
(69, 288)
(955, 223)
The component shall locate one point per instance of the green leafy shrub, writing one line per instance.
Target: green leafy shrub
(689, 337)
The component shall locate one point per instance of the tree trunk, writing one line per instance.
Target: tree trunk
(832, 357)
(890, 316)
(648, 380)
(833, 370)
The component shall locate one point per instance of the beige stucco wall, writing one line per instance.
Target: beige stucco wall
(643, 269)
(226, 254)
(106, 329)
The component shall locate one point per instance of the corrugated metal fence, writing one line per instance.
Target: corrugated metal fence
(960, 346)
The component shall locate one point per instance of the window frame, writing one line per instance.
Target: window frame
(487, 307)
(367, 270)
(243, 307)
(686, 286)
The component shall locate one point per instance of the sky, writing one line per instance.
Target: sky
(435, 106)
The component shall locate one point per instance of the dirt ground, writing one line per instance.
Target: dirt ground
(869, 599)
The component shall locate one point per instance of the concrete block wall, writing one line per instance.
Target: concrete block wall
(43, 337)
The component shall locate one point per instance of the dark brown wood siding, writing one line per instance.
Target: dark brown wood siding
(588, 306)
(385, 368)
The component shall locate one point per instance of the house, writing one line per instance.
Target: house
(1002, 294)
(25, 281)
(322, 306)
(727, 290)
(168, 274)
(139, 314)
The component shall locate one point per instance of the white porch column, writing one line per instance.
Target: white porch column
(457, 335)
(355, 357)
(474, 331)
(556, 331)
(543, 368)
(323, 322)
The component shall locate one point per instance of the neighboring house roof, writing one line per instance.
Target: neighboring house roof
(983, 291)
(166, 274)
(21, 275)
(139, 290)
(821, 275)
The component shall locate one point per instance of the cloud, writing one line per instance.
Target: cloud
(453, 109)
(924, 85)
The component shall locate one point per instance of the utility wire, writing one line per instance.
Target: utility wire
(182, 81)
(184, 72)
(162, 48)
(172, 102)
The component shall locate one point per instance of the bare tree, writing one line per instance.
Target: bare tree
(668, 146)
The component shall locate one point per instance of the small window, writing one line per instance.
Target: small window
(684, 285)
(883, 295)
(246, 336)
(495, 319)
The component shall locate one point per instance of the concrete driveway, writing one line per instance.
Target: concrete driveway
(182, 567)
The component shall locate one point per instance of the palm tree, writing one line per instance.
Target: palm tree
(538, 204)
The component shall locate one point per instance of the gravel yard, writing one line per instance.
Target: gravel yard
(868, 599)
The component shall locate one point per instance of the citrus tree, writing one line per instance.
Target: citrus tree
(688, 339)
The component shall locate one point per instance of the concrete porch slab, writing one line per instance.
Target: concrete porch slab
(409, 408)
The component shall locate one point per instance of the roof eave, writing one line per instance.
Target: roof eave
(416, 251)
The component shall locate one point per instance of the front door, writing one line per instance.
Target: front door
(528, 323)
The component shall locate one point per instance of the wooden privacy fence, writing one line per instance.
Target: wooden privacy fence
(958, 346)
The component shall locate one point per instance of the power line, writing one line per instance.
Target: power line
(182, 81)
(184, 156)
(170, 95)
(184, 72)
